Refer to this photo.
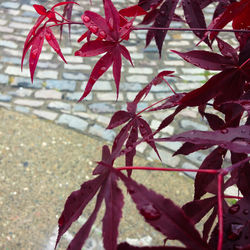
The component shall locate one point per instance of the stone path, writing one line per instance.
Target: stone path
(58, 86)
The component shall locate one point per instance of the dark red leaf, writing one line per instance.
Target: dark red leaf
(36, 49)
(113, 213)
(112, 18)
(121, 138)
(202, 180)
(169, 119)
(188, 148)
(147, 134)
(205, 59)
(163, 214)
(150, 17)
(242, 20)
(163, 20)
(126, 246)
(126, 54)
(29, 39)
(197, 209)
(212, 88)
(227, 50)
(215, 122)
(101, 66)
(129, 157)
(117, 65)
(51, 39)
(94, 48)
(119, 118)
(133, 11)
(194, 17)
(76, 203)
(232, 11)
(40, 9)
(235, 139)
(97, 25)
(209, 223)
(81, 236)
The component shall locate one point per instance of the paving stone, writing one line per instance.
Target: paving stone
(193, 71)
(21, 26)
(48, 94)
(137, 78)
(97, 130)
(75, 76)
(100, 85)
(59, 105)
(77, 67)
(26, 83)
(5, 29)
(173, 145)
(79, 107)
(187, 165)
(166, 157)
(194, 78)
(73, 122)
(46, 114)
(109, 96)
(130, 86)
(61, 85)
(47, 65)
(10, 5)
(5, 105)
(101, 108)
(4, 79)
(8, 44)
(136, 56)
(47, 74)
(30, 103)
(155, 124)
(196, 157)
(189, 124)
(147, 71)
(22, 109)
(22, 19)
(16, 71)
(12, 60)
(5, 98)
(188, 86)
(77, 95)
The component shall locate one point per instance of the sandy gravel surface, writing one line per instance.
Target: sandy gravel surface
(41, 164)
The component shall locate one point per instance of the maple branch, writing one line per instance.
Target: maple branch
(209, 171)
(169, 86)
(220, 211)
(58, 24)
(190, 29)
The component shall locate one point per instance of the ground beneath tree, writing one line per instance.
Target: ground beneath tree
(41, 163)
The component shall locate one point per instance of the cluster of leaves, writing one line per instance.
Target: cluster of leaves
(227, 92)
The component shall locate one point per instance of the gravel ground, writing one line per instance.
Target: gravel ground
(41, 164)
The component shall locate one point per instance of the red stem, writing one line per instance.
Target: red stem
(209, 171)
(190, 29)
(220, 212)
(232, 197)
(169, 86)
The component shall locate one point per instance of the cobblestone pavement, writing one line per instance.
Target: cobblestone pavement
(58, 86)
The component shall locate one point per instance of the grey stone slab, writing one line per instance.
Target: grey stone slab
(189, 124)
(21, 92)
(187, 165)
(59, 105)
(30, 103)
(61, 85)
(4, 79)
(74, 76)
(10, 5)
(26, 83)
(100, 85)
(73, 122)
(22, 109)
(97, 130)
(101, 108)
(79, 107)
(5, 98)
(132, 86)
(8, 44)
(196, 157)
(77, 95)
(12, 60)
(46, 114)
(48, 94)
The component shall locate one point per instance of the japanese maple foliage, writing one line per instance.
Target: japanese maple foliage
(225, 226)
